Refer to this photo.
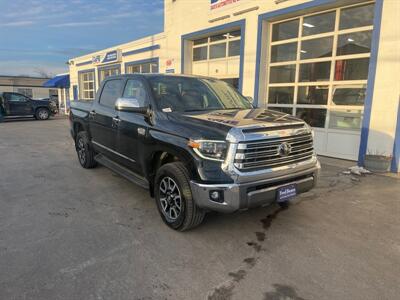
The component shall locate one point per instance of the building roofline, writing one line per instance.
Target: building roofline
(22, 76)
(143, 40)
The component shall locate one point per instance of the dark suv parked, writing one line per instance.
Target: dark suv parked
(17, 105)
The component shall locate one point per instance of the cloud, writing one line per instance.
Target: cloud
(17, 24)
(27, 67)
(77, 24)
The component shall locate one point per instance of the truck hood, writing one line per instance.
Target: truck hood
(217, 123)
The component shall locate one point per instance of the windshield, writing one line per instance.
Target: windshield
(186, 94)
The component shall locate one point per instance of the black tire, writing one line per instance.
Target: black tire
(190, 215)
(42, 114)
(85, 152)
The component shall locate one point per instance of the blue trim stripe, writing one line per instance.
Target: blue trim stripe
(143, 61)
(207, 31)
(396, 146)
(141, 50)
(89, 62)
(371, 82)
(274, 14)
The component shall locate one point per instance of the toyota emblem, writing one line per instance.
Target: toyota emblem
(284, 149)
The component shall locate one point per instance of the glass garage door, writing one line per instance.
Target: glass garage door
(218, 55)
(318, 69)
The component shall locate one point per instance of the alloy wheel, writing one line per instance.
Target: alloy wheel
(43, 114)
(170, 198)
(81, 151)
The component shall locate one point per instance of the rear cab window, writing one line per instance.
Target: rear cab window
(111, 92)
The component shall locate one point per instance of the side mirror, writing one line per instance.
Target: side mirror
(130, 105)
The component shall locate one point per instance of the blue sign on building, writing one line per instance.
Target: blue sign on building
(110, 56)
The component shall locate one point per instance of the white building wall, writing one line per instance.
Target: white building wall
(386, 95)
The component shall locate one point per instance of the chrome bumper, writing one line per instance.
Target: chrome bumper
(255, 193)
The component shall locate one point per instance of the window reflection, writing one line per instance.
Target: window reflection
(317, 95)
(319, 23)
(354, 43)
(352, 69)
(316, 48)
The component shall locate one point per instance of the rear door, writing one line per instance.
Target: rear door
(18, 104)
(102, 118)
(133, 127)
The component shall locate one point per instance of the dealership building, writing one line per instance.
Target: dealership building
(335, 64)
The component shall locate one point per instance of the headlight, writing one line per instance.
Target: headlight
(212, 150)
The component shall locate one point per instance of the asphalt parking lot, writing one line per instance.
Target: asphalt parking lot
(71, 233)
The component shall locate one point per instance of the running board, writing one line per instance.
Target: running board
(124, 172)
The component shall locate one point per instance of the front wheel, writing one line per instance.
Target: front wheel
(174, 197)
(42, 114)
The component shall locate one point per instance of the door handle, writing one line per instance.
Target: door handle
(116, 121)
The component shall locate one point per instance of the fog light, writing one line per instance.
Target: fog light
(217, 196)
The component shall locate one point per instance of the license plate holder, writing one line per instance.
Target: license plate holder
(286, 193)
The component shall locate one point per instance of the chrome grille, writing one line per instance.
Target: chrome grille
(264, 154)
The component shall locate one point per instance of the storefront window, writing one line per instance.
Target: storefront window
(282, 74)
(354, 43)
(281, 95)
(349, 94)
(285, 52)
(320, 23)
(216, 46)
(217, 51)
(314, 117)
(285, 30)
(316, 48)
(352, 69)
(86, 85)
(108, 72)
(234, 48)
(314, 79)
(200, 53)
(142, 68)
(356, 16)
(345, 119)
(316, 95)
(315, 72)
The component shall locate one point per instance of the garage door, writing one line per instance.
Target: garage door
(218, 55)
(318, 69)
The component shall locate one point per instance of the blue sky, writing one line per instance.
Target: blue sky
(42, 35)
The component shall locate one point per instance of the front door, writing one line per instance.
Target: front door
(103, 121)
(133, 127)
(18, 105)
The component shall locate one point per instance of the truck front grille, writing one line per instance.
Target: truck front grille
(274, 152)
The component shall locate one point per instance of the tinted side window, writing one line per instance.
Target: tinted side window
(16, 98)
(135, 89)
(111, 91)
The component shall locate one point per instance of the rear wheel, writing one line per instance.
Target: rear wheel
(84, 151)
(42, 114)
(174, 197)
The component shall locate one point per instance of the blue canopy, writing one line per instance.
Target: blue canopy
(60, 81)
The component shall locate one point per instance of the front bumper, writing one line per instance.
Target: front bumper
(237, 196)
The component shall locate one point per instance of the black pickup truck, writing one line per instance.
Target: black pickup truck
(17, 105)
(195, 143)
